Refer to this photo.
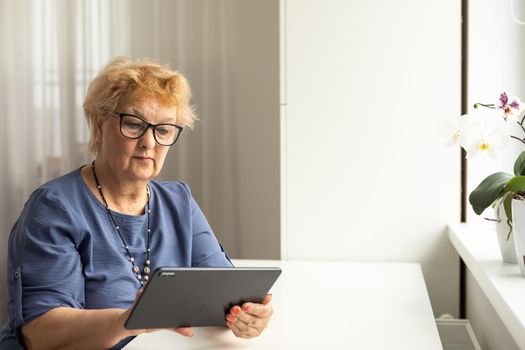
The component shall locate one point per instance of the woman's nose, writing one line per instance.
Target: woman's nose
(148, 139)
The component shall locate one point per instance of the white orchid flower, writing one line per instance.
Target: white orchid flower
(484, 131)
(480, 139)
(452, 130)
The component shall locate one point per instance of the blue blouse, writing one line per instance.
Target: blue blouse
(64, 249)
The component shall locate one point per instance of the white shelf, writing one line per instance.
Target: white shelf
(502, 283)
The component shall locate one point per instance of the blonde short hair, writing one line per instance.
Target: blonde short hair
(142, 79)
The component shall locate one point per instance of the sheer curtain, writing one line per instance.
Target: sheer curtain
(228, 50)
(50, 52)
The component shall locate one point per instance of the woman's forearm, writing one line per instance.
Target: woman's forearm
(76, 329)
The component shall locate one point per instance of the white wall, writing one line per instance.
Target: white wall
(366, 175)
(496, 56)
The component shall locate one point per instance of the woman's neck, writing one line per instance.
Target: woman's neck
(128, 197)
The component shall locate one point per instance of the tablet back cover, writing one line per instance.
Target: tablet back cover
(179, 297)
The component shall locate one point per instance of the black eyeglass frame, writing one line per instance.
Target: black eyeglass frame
(148, 126)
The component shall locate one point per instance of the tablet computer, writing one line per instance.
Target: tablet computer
(184, 297)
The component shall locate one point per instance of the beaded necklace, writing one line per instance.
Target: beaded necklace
(143, 279)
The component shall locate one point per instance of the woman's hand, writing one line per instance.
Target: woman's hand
(251, 319)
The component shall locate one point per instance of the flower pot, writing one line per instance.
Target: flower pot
(518, 231)
(505, 240)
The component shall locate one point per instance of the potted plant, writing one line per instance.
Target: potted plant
(487, 132)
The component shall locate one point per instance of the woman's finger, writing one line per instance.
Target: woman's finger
(251, 320)
(185, 331)
(259, 310)
(246, 326)
(234, 327)
(267, 298)
(243, 330)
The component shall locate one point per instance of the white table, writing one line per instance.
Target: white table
(501, 283)
(329, 305)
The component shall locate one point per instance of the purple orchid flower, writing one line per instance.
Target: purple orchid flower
(508, 108)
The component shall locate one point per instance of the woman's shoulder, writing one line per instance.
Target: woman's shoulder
(62, 183)
(51, 203)
(61, 189)
(179, 187)
(174, 189)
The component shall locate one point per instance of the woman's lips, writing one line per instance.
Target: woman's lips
(143, 158)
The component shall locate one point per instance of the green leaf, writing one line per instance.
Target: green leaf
(516, 184)
(519, 164)
(488, 191)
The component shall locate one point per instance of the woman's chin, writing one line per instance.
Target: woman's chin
(143, 173)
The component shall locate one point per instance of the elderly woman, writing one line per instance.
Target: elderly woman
(85, 243)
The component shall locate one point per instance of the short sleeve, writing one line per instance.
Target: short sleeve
(43, 250)
(206, 249)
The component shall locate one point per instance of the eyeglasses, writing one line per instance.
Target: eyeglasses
(134, 127)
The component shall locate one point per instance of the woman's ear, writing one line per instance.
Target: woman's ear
(98, 127)
(98, 123)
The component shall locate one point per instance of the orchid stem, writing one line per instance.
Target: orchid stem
(521, 125)
(517, 138)
(491, 105)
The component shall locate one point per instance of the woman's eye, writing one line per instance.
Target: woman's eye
(132, 125)
(163, 131)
